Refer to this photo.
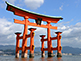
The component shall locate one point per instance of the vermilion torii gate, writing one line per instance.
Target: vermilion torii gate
(38, 18)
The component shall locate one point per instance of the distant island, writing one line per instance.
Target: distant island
(10, 50)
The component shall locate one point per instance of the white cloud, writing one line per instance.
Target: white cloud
(71, 35)
(63, 27)
(7, 32)
(34, 4)
(66, 32)
(9, 36)
(61, 8)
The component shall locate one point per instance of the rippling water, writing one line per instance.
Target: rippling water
(38, 58)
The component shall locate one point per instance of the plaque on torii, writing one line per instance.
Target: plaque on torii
(38, 19)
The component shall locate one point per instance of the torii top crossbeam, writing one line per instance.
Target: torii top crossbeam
(32, 15)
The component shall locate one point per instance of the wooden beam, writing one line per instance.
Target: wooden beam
(20, 37)
(19, 21)
(53, 38)
(34, 24)
(27, 48)
(27, 36)
(54, 27)
(20, 48)
(45, 39)
(45, 49)
(54, 48)
(44, 26)
(32, 16)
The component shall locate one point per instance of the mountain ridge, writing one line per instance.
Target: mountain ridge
(66, 49)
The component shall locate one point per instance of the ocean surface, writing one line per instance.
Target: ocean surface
(38, 58)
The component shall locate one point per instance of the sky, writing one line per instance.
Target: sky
(70, 26)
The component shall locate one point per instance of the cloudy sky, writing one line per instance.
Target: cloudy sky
(70, 10)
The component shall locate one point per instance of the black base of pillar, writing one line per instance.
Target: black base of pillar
(17, 55)
(50, 54)
(24, 55)
(31, 55)
(59, 55)
(43, 55)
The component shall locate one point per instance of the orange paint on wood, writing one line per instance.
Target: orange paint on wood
(48, 36)
(20, 48)
(54, 48)
(17, 42)
(32, 39)
(53, 38)
(27, 48)
(32, 16)
(24, 43)
(45, 49)
(18, 21)
(58, 42)
(23, 13)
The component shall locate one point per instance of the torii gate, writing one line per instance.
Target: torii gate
(38, 18)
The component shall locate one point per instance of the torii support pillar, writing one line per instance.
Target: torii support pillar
(17, 45)
(42, 49)
(59, 48)
(32, 34)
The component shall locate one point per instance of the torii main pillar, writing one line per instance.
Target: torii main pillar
(50, 53)
(24, 44)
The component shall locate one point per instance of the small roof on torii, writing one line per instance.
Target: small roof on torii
(22, 12)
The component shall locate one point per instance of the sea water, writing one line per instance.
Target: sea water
(38, 58)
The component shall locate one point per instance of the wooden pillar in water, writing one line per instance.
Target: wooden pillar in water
(31, 55)
(42, 49)
(17, 45)
(50, 52)
(59, 44)
(24, 44)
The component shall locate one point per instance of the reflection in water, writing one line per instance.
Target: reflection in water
(42, 59)
(50, 59)
(24, 59)
(39, 59)
(59, 59)
(54, 59)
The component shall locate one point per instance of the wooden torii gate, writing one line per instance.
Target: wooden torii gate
(38, 18)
